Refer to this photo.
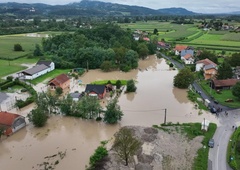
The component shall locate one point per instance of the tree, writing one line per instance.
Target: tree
(38, 117)
(125, 144)
(17, 47)
(118, 84)
(113, 113)
(235, 60)
(89, 107)
(207, 54)
(155, 31)
(106, 66)
(184, 78)
(236, 90)
(37, 51)
(131, 86)
(142, 50)
(224, 71)
(59, 91)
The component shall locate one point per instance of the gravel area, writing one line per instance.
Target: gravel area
(160, 151)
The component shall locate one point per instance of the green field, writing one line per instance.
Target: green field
(9, 67)
(191, 35)
(7, 44)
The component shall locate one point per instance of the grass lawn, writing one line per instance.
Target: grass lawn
(49, 76)
(221, 98)
(13, 89)
(9, 67)
(7, 43)
(103, 82)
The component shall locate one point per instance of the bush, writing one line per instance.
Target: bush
(131, 86)
(17, 47)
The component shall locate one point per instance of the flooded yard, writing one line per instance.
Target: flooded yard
(30, 147)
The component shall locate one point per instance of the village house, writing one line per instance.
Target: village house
(223, 84)
(11, 122)
(209, 68)
(187, 56)
(237, 72)
(162, 45)
(41, 68)
(96, 90)
(179, 48)
(62, 81)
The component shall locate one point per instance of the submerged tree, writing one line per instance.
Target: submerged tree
(126, 145)
(113, 113)
(131, 86)
(184, 78)
(38, 117)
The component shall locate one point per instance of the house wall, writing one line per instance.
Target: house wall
(65, 85)
(37, 74)
(177, 52)
(208, 74)
(199, 66)
(52, 66)
(18, 124)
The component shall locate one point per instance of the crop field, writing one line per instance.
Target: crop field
(189, 34)
(7, 44)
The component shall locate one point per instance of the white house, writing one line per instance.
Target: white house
(41, 68)
(187, 56)
(201, 63)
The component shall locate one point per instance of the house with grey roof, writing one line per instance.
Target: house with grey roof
(41, 68)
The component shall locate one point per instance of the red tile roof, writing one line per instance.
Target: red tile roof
(225, 83)
(206, 62)
(7, 118)
(146, 39)
(62, 78)
(180, 47)
(188, 56)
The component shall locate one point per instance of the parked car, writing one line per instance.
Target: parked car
(215, 101)
(213, 110)
(211, 143)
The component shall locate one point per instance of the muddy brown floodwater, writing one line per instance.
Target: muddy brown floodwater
(77, 139)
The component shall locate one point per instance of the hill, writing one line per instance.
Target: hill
(85, 8)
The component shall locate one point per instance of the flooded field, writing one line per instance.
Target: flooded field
(77, 139)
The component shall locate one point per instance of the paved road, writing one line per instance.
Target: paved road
(217, 155)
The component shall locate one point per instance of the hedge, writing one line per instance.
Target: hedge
(231, 150)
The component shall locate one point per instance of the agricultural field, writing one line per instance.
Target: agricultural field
(189, 34)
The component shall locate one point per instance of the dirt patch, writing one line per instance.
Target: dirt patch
(160, 151)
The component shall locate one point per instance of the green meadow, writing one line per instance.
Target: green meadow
(7, 44)
(189, 34)
(8, 67)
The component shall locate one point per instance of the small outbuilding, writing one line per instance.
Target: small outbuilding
(11, 122)
(223, 84)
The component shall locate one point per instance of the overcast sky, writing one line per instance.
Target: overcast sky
(201, 6)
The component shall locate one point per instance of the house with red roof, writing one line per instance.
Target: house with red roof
(11, 122)
(187, 56)
(96, 90)
(62, 81)
(179, 48)
(209, 68)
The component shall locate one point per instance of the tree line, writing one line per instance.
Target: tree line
(106, 46)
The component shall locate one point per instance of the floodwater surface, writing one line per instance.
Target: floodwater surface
(67, 142)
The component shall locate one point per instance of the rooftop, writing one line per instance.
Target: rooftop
(7, 118)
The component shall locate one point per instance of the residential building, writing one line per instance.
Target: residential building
(41, 68)
(76, 96)
(62, 81)
(223, 84)
(11, 122)
(209, 68)
(187, 56)
(96, 90)
(179, 48)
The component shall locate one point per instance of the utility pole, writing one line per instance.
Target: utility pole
(87, 65)
(165, 116)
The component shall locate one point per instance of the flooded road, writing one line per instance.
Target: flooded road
(79, 138)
